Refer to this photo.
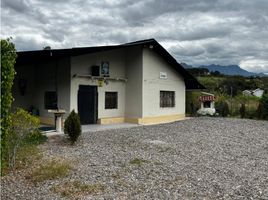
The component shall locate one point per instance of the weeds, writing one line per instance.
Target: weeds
(54, 169)
(77, 189)
(137, 161)
(27, 155)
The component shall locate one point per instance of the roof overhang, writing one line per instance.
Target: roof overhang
(28, 57)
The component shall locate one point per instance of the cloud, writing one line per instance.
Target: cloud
(27, 44)
(256, 65)
(186, 49)
(16, 5)
(195, 32)
(213, 48)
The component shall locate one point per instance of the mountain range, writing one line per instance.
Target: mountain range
(226, 70)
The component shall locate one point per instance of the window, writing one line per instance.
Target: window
(51, 100)
(167, 99)
(111, 100)
(207, 104)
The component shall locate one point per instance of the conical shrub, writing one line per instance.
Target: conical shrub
(72, 126)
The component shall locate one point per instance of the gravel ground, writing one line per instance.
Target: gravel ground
(200, 158)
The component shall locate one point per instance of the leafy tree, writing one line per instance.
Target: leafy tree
(265, 84)
(213, 84)
(198, 71)
(72, 126)
(215, 73)
(263, 107)
(8, 59)
(234, 85)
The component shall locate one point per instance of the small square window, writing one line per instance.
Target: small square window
(207, 104)
(111, 100)
(167, 99)
(51, 100)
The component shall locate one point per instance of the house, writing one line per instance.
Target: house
(257, 92)
(246, 93)
(137, 82)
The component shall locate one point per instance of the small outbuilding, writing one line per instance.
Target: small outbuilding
(207, 102)
(137, 82)
(257, 92)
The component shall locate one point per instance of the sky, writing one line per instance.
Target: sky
(197, 32)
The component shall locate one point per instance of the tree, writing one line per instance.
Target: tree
(72, 126)
(215, 73)
(263, 107)
(8, 59)
(234, 85)
(198, 71)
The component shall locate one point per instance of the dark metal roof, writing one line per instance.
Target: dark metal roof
(27, 57)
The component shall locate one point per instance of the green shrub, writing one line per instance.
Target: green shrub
(72, 126)
(222, 108)
(263, 107)
(260, 111)
(242, 110)
(251, 113)
(192, 102)
(225, 111)
(23, 125)
(28, 152)
(35, 138)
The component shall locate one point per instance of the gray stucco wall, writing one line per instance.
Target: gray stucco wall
(134, 83)
(153, 64)
(81, 65)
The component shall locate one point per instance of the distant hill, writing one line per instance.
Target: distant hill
(230, 70)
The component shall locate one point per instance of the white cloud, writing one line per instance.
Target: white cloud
(196, 32)
(255, 65)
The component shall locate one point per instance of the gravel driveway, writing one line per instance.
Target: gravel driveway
(200, 158)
